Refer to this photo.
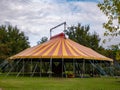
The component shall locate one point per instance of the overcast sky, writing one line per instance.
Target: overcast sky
(36, 17)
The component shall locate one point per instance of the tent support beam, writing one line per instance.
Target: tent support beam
(13, 67)
(34, 70)
(21, 70)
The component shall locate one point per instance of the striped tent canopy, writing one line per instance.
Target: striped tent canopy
(60, 47)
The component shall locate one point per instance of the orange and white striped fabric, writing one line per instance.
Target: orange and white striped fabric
(60, 47)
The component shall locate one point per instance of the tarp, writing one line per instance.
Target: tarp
(60, 47)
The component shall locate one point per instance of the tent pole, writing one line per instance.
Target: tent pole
(40, 67)
(50, 72)
(17, 68)
(93, 68)
(31, 68)
(79, 71)
(101, 67)
(51, 67)
(62, 67)
(23, 67)
(34, 69)
(83, 68)
(74, 66)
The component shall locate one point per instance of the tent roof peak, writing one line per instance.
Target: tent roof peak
(60, 35)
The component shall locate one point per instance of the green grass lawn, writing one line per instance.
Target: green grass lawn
(37, 83)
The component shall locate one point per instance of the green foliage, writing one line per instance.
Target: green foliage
(111, 8)
(81, 35)
(113, 52)
(42, 40)
(12, 41)
(118, 55)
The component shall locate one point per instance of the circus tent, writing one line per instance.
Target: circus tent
(61, 50)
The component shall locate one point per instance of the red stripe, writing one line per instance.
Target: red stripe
(45, 49)
(53, 50)
(67, 50)
(81, 48)
(39, 47)
(74, 50)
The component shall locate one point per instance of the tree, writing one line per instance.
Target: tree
(81, 35)
(111, 8)
(12, 41)
(42, 40)
(114, 52)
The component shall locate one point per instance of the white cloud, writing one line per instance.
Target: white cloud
(36, 17)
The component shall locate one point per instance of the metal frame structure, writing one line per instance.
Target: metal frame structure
(64, 23)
